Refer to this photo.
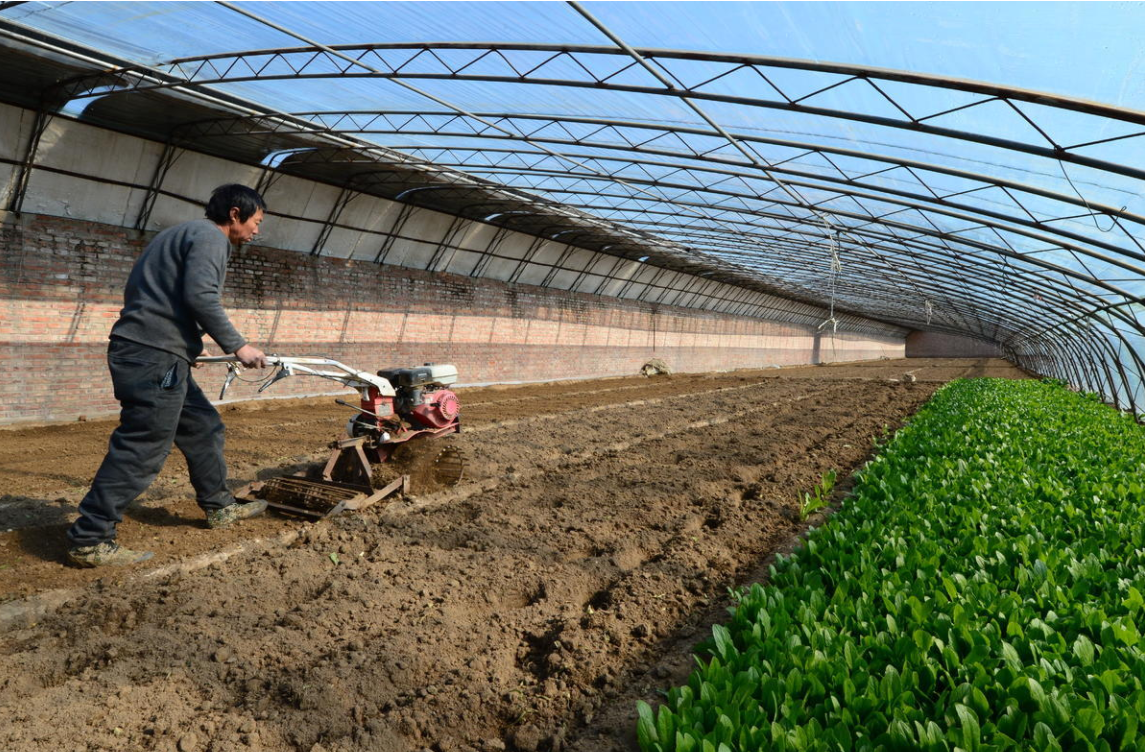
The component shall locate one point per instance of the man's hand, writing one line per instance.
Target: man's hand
(251, 357)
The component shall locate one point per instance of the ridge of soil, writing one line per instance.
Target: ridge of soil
(587, 551)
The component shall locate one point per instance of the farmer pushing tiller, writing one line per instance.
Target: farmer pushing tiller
(171, 300)
(391, 443)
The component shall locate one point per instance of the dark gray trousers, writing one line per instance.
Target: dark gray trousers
(160, 404)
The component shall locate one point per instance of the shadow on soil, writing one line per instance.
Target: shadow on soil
(48, 541)
(26, 511)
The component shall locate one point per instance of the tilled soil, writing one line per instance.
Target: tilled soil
(587, 551)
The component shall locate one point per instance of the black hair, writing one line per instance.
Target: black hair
(246, 200)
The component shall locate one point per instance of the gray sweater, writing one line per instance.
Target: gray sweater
(173, 295)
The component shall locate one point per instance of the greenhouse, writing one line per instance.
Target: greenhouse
(828, 316)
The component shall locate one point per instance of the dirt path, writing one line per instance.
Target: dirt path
(589, 547)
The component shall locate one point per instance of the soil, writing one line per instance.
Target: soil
(587, 551)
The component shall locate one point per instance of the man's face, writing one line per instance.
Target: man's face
(241, 232)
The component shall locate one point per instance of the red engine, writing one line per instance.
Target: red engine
(421, 404)
(438, 409)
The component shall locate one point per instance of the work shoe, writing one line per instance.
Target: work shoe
(227, 516)
(106, 554)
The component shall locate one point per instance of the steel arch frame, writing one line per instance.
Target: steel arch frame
(226, 127)
(195, 73)
(935, 232)
(217, 68)
(884, 314)
(1074, 250)
(1049, 289)
(249, 126)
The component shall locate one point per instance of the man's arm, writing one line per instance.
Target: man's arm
(205, 270)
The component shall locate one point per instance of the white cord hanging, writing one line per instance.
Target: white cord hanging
(929, 312)
(836, 269)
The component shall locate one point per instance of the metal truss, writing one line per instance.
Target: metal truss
(670, 141)
(609, 68)
(565, 183)
(920, 243)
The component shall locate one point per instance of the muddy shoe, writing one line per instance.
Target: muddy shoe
(107, 554)
(229, 515)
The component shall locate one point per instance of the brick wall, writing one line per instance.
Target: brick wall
(61, 284)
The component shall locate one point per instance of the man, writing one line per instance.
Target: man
(171, 299)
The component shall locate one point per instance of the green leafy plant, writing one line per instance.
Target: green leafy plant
(819, 497)
(981, 590)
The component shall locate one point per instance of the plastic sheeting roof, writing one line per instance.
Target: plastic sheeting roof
(973, 168)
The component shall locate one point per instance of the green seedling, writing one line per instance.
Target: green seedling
(819, 497)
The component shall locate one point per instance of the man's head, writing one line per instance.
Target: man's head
(237, 210)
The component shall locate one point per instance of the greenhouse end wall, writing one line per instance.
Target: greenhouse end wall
(938, 345)
(61, 287)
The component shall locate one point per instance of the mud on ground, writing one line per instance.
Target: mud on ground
(588, 550)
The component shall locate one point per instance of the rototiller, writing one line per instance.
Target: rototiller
(393, 442)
